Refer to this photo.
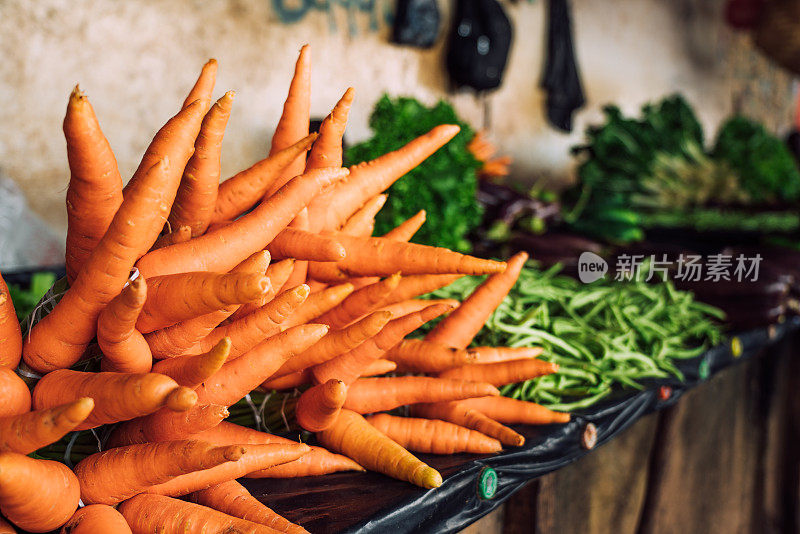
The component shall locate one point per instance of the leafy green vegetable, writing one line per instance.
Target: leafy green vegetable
(444, 185)
(25, 300)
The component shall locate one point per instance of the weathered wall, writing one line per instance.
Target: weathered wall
(137, 59)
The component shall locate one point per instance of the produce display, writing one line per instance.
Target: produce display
(182, 296)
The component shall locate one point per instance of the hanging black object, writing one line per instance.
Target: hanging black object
(416, 23)
(479, 44)
(562, 81)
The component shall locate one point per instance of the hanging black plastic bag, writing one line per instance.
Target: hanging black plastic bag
(561, 78)
(416, 23)
(479, 44)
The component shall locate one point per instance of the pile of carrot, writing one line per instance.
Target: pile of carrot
(185, 294)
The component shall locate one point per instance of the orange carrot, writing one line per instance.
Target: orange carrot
(336, 343)
(369, 395)
(36, 495)
(316, 287)
(379, 367)
(405, 307)
(31, 431)
(458, 413)
(406, 230)
(197, 194)
(95, 186)
(177, 297)
(465, 322)
(238, 377)
(354, 437)
(416, 285)
(204, 86)
(278, 273)
(256, 458)
(378, 256)
(10, 334)
(502, 354)
(327, 151)
(96, 519)
(300, 269)
(433, 436)
(233, 499)
(419, 356)
(179, 235)
(124, 348)
(302, 245)
(167, 425)
(350, 365)
(513, 411)
(330, 210)
(318, 407)
(220, 250)
(113, 475)
(362, 222)
(227, 433)
(191, 371)
(289, 381)
(164, 515)
(359, 303)
(248, 332)
(319, 303)
(242, 191)
(502, 373)
(5, 527)
(117, 396)
(14, 392)
(318, 462)
(293, 124)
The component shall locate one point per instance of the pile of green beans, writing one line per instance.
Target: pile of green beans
(604, 335)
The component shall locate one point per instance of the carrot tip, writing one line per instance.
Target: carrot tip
(430, 478)
(181, 399)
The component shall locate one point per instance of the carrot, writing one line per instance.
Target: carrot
(113, 475)
(327, 151)
(336, 343)
(350, 365)
(181, 234)
(502, 373)
(379, 367)
(293, 124)
(359, 303)
(433, 436)
(5, 527)
(278, 273)
(204, 85)
(36, 495)
(27, 432)
(319, 303)
(318, 407)
(94, 193)
(117, 396)
(302, 245)
(177, 339)
(238, 377)
(96, 519)
(124, 348)
(300, 268)
(331, 209)
(369, 395)
(503, 354)
(233, 499)
(167, 425)
(316, 463)
(460, 414)
(362, 222)
(15, 394)
(378, 256)
(513, 411)
(406, 230)
(256, 458)
(197, 195)
(147, 514)
(409, 306)
(416, 285)
(191, 371)
(242, 191)
(248, 332)
(60, 338)
(177, 297)
(464, 323)
(227, 433)
(419, 356)
(354, 437)
(221, 249)
(10, 334)
(289, 381)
